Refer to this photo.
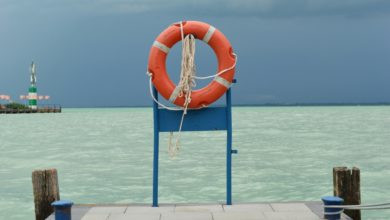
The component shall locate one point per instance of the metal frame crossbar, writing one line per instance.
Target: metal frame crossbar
(206, 119)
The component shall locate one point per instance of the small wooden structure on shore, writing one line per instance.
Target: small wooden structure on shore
(54, 109)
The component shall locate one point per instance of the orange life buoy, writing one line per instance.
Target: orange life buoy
(210, 35)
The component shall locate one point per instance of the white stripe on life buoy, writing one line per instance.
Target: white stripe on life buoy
(174, 94)
(222, 81)
(209, 34)
(161, 46)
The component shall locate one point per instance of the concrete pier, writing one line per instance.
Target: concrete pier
(248, 211)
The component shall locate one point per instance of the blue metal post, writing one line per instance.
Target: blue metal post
(156, 150)
(229, 148)
(62, 209)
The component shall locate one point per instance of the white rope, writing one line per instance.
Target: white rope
(356, 207)
(155, 99)
(185, 85)
(162, 105)
(220, 72)
(361, 207)
(334, 213)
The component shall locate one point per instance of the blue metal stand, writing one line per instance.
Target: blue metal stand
(207, 119)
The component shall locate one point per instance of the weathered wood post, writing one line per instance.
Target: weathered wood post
(46, 191)
(346, 184)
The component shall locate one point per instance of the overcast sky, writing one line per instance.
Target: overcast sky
(94, 53)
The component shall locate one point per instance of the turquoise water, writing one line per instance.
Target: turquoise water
(105, 156)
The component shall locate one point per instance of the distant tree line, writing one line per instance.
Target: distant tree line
(13, 105)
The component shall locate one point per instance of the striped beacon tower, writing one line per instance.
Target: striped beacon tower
(32, 91)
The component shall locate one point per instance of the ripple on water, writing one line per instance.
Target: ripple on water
(105, 156)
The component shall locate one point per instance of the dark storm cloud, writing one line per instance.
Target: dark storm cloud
(287, 8)
(94, 53)
(257, 8)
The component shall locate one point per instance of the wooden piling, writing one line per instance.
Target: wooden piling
(346, 184)
(46, 191)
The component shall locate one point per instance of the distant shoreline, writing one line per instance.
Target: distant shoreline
(260, 105)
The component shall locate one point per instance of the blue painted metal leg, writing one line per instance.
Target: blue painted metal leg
(229, 149)
(156, 151)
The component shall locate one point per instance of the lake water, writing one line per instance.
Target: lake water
(284, 154)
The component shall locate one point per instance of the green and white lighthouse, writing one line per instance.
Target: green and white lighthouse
(32, 91)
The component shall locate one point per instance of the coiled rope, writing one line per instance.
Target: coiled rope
(186, 84)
